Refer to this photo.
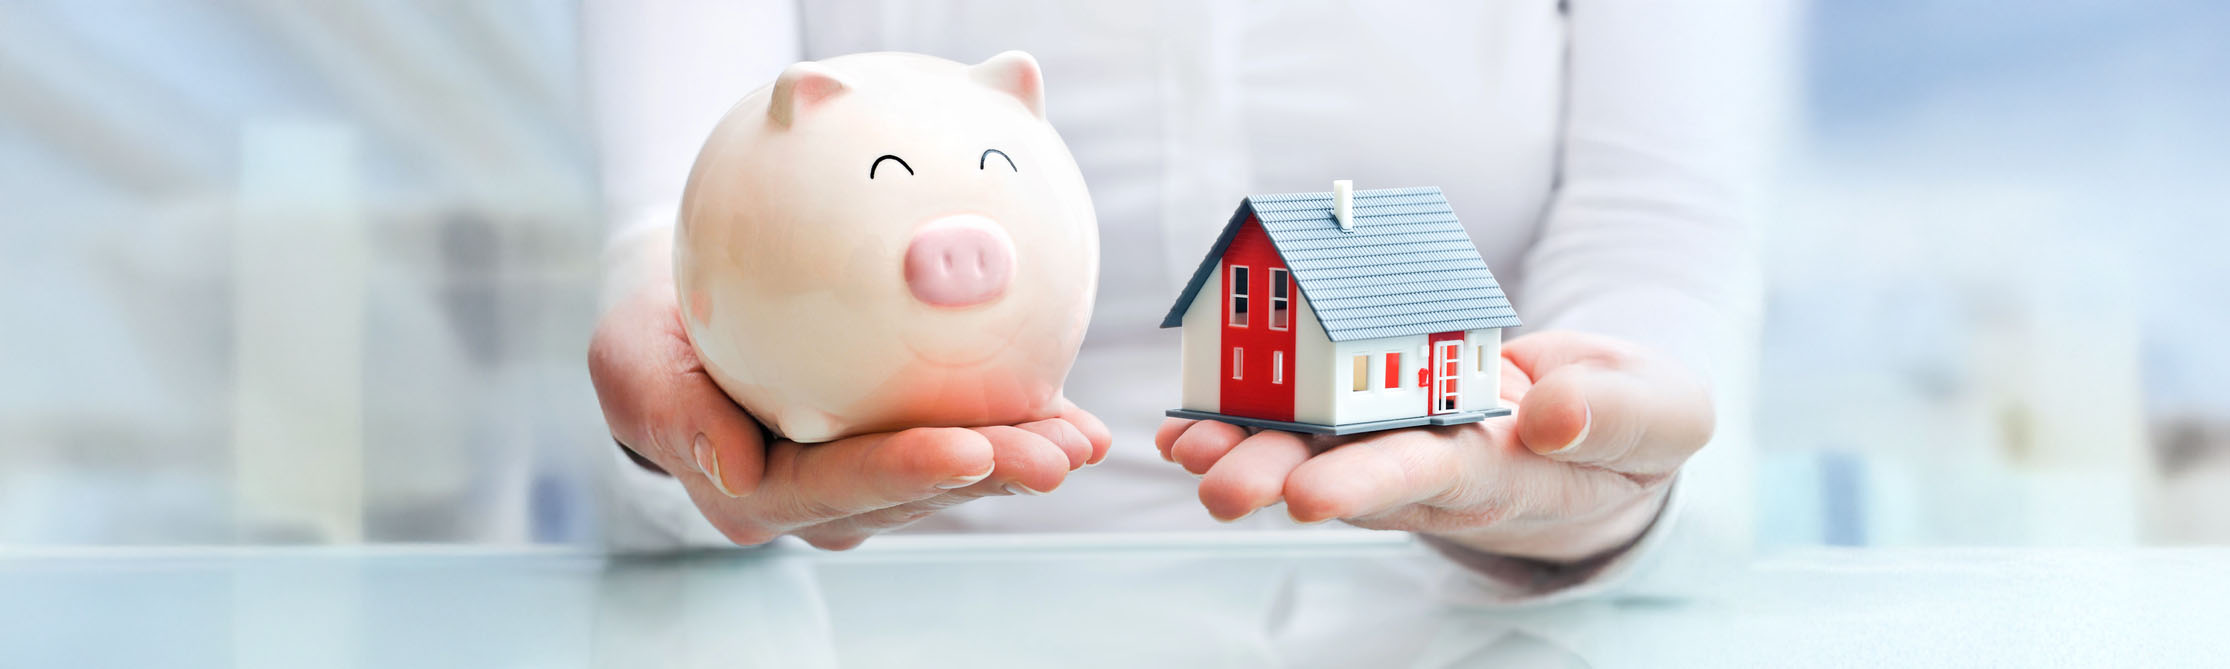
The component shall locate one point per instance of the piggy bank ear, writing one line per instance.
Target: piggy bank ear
(802, 87)
(1014, 73)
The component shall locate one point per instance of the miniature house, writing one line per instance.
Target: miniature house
(1342, 312)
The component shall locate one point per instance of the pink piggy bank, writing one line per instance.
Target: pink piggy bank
(888, 240)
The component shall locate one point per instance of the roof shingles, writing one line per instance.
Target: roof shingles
(1407, 268)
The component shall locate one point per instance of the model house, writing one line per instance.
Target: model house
(1342, 312)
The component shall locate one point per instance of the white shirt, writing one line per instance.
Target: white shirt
(1602, 155)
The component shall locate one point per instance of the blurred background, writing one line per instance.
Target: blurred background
(324, 272)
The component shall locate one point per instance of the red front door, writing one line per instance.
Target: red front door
(1445, 373)
(1258, 294)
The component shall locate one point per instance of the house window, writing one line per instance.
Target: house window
(1238, 362)
(1238, 296)
(1362, 373)
(1277, 367)
(1482, 358)
(1393, 370)
(1280, 301)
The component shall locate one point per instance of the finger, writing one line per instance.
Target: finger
(1063, 435)
(838, 531)
(808, 485)
(1462, 478)
(834, 536)
(1386, 470)
(1252, 475)
(737, 518)
(660, 403)
(884, 520)
(1514, 383)
(1166, 435)
(1095, 431)
(848, 533)
(1614, 406)
(1025, 467)
(1204, 443)
(1027, 464)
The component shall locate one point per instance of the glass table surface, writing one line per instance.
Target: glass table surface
(1208, 600)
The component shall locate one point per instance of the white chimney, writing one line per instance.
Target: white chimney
(1343, 204)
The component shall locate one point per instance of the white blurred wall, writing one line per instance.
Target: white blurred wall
(282, 271)
(1995, 271)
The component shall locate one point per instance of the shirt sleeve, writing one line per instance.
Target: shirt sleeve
(1670, 111)
(660, 74)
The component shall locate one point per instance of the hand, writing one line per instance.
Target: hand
(662, 405)
(1580, 468)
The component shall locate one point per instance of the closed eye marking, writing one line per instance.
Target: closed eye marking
(879, 163)
(980, 160)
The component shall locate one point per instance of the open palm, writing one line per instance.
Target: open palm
(1600, 428)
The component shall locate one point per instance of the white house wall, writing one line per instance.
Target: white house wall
(1315, 369)
(1378, 402)
(1201, 354)
(1482, 382)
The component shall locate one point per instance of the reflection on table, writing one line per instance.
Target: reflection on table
(1311, 600)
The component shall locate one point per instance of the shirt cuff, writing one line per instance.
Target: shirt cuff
(639, 251)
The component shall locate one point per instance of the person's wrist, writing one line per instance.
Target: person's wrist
(1576, 540)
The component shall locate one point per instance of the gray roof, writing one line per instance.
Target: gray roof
(1407, 268)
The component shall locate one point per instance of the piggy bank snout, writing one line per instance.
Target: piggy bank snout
(959, 261)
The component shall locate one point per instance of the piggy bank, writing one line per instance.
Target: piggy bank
(886, 240)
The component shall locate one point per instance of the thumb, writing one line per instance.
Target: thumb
(1623, 414)
(717, 437)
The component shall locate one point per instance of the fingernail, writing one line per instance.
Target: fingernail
(709, 463)
(1019, 489)
(1586, 423)
(1243, 516)
(958, 482)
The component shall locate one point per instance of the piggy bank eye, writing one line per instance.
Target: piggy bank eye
(879, 163)
(986, 157)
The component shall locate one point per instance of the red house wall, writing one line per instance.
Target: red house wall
(1258, 392)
